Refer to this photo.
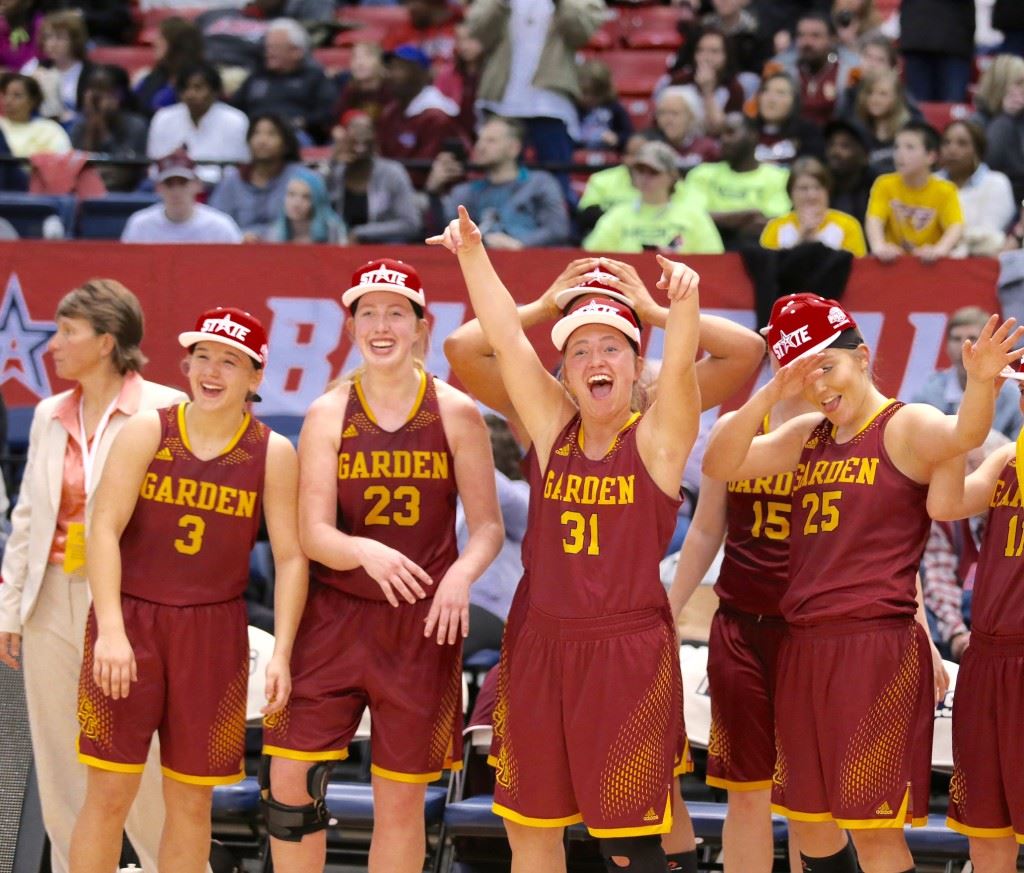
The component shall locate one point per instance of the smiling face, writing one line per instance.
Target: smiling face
(77, 349)
(221, 376)
(386, 329)
(600, 369)
(711, 50)
(844, 386)
(674, 117)
(775, 101)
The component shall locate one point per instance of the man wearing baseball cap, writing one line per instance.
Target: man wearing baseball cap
(656, 220)
(179, 217)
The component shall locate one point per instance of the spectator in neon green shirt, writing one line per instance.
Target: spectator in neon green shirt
(740, 193)
(655, 221)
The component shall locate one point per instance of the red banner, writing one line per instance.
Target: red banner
(901, 308)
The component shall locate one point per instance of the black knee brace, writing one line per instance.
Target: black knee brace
(843, 861)
(292, 823)
(644, 853)
(682, 862)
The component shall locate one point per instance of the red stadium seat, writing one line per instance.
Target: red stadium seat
(653, 27)
(887, 7)
(131, 57)
(365, 33)
(938, 115)
(607, 36)
(636, 72)
(641, 111)
(381, 16)
(334, 59)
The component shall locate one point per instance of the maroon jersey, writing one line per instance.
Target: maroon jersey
(598, 531)
(998, 604)
(859, 528)
(755, 566)
(195, 522)
(397, 488)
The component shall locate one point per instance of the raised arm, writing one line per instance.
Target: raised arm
(291, 579)
(703, 540)
(470, 444)
(733, 352)
(667, 432)
(952, 495)
(319, 536)
(114, 666)
(539, 399)
(473, 360)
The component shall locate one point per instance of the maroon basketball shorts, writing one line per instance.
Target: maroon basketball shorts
(742, 654)
(590, 722)
(351, 653)
(986, 795)
(854, 709)
(193, 668)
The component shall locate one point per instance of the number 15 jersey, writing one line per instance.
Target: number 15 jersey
(598, 530)
(396, 487)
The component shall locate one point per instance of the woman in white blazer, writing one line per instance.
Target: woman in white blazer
(44, 597)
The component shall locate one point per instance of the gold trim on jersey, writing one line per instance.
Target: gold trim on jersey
(685, 764)
(532, 822)
(357, 384)
(1019, 454)
(629, 422)
(203, 780)
(231, 443)
(111, 766)
(899, 820)
(990, 833)
(662, 827)
(296, 755)
(731, 785)
(889, 402)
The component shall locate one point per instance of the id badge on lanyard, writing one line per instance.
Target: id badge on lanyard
(74, 550)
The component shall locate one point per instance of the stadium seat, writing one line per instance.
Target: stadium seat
(938, 115)
(636, 72)
(131, 57)
(237, 801)
(608, 35)
(381, 16)
(334, 59)
(351, 803)
(653, 27)
(363, 33)
(27, 212)
(936, 841)
(641, 111)
(105, 217)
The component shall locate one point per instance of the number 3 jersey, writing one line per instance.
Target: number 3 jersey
(598, 531)
(397, 488)
(195, 522)
(859, 528)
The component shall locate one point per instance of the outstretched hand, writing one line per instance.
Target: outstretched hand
(985, 358)
(461, 235)
(677, 280)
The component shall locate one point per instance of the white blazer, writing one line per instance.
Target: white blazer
(34, 520)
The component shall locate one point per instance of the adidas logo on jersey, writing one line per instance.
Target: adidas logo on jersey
(349, 432)
(884, 809)
(811, 443)
(163, 455)
(650, 815)
(564, 451)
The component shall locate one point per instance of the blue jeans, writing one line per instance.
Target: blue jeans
(936, 78)
(551, 144)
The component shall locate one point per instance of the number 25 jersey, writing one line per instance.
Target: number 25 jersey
(397, 488)
(195, 522)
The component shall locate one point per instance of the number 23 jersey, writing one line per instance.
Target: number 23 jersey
(598, 530)
(396, 487)
(195, 522)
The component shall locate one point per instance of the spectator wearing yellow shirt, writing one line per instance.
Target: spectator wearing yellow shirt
(655, 220)
(811, 219)
(911, 210)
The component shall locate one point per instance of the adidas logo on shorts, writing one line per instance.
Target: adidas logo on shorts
(163, 455)
(650, 815)
(884, 809)
(349, 432)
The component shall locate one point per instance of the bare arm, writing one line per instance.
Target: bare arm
(280, 509)
(939, 674)
(540, 400)
(703, 539)
(470, 444)
(319, 444)
(950, 238)
(952, 495)
(114, 667)
(666, 433)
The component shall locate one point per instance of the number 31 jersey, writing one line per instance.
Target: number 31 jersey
(195, 522)
(397, 488)
(598, 530)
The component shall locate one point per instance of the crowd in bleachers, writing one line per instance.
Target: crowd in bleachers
(391, 108)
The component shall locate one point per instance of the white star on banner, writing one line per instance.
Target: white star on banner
(23, 342)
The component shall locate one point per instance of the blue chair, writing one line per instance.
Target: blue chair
(936, 842)
(105, 217)
(27, 212)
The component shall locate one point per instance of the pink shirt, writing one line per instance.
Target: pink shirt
(72, 493)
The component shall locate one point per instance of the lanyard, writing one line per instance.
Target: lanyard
(89, 453)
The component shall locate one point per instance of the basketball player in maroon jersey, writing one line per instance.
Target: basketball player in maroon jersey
(732, 353)
(854, 686)
(383, 455)
(986, 795)
(752, 517)
(166, 648)
(590, 719)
